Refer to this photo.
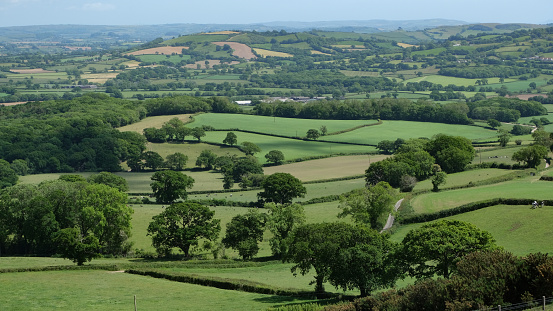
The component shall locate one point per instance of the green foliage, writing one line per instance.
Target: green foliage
(518, 130)
(493, 123)
(181, 225)
(198, 133)
(438, 179)
(531, 155)
(283, 219)
(250, 148)
(176, 161)
(504, 137)
(435, 248)
(275, 156)
(152, 160)
(20, 167)
(452, 153)
(109, 179)
(231, 139)
(169, 186)
(281, 188)
(206, 159)
(8, 177)
(244, 232)
(313, 134)
(72, 245)
(369, 206)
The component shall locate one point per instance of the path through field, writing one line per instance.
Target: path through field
(391, 218)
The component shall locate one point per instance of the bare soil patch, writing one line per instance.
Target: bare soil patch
(225, 32)
(12, 104)
(211, 63)
(75, 48)
(36, 70)
(164, 50)
(99, 77)
(335, 167)
(526, 96)
(240, 49)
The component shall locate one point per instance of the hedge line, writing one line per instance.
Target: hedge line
(222, 283)
(469, 207)
(547, 178)
(61, 268)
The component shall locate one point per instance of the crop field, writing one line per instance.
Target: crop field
(158, 58)
(264, 53)
(519, 229)
(334, 167)
(103, 290)
(391, 130)
(446, 80)
(269, 125)
(163, 50)
(240, 49)
(526, 188)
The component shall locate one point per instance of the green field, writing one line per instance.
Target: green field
(445, 80)
(103, 290)
(464, 178)
(526, 188)
(158, 58)
(391, 130)
(519, 229)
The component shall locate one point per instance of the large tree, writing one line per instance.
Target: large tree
(283, 219)
(281, 188)
(452, 153)
(275, 156)
(250, 148)
(181, 225)
(8, 177)
(369, 206)
(206, 159)
(110, 179)
(244, 232)
(435, 248)
(231, 139)
(532, 155)
(176, 161)
(168, 186)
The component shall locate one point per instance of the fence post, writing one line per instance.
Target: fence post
(543, 297)
(498, 307)
(134, 302)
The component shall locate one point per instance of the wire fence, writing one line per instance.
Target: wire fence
(538, 304)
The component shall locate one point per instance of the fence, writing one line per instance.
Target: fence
(538, 304)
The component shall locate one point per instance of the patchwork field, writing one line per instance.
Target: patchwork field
(164, 50)
(264, 53)
(240, 49)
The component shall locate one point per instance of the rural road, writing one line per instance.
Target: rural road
(391, 218)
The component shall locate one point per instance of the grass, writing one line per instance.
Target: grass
(101, 290)
(527, 188)
(501, 155)
(265, 53)
(158, 58)
(156, 122)
(445, 80)
(391, 130)
(463, 178)
(518, 229)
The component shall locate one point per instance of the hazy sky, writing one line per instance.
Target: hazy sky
(141, 12)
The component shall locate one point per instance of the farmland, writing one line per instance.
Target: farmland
(328, 100)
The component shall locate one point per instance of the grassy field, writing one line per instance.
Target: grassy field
(463, 178)
(519, 229)
(445, 80)
(500, 155)
(102, 290)
(527, 188)
(391, 130)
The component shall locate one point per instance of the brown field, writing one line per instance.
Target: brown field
(319, 52)
(240, 49)
(336, 167)
(526, 96)
(164, 50)
(12, 104)
(36, 70)
(265, 53)
(156, 122)
(131, 64)
(99, 77)
(225, 32)
(406, 45)
(211, 63)
(75, 48)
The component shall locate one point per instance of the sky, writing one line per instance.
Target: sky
(142, 12)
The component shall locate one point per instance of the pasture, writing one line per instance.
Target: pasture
(446, 80)
(464, 178)
(264, 53)
(519, 229)
(525, 188)
(106, 290)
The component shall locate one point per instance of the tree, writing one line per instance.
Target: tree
(250, 148)
(181, 225)
(169, 186)
(8, 177)
(493, 123)
(452, 153)
(176, 161)
(542, 137)
(532, 155)
(504, 137)
(323, 130)
(206, 159)
(364, 261)
(198, 133)
(386, 146)
(71, 244)
(283, 219)
(438, 179)
(436, 247)
(231, 139)
(275, 156)
(244, 232)
(152, 160)
(20, 167)
(520, 130)
(313, 134)
(109, 179)
(281, 188)
(369, 205)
